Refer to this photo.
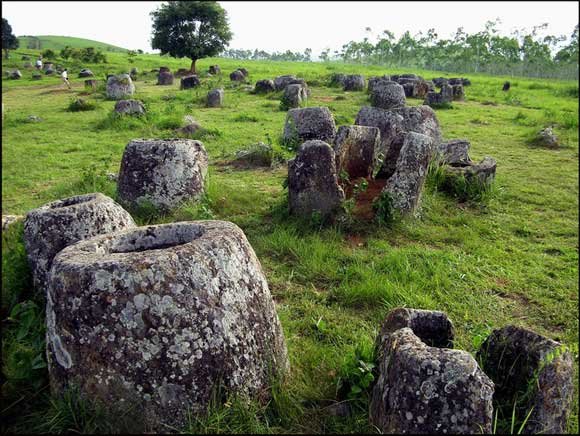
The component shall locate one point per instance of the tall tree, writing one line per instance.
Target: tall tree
(192, 29)
(9, 41)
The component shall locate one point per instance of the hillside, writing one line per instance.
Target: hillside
(60, 42)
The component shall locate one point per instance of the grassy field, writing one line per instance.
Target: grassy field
(512, 259)
(54, 42)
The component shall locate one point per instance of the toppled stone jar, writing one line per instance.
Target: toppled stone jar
(425, 389)
(159, 318)
(56, 225)
(162, 172)
(533, 375)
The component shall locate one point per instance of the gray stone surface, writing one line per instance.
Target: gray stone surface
(547, 138)
(215, 98)
(294, 96)
(237, 76)
(483, 172)
(264, 86)
(313, 183)
(429, 390)
(387, 95)
(8, 220)
(281, 82)
(516, 358)
(458, 92)
(374, 80)
(354, 82)
(189, 82)
(214, 69)
(355, 148)
(309, 123)
(16, 74)
(130, 107)
(54, 226)
(120, 87)
(420, 119)
(85, 72)
(405, 185)
(454, 152)
(158, 317)
(162, 172)
(337, 79)
(165, 78)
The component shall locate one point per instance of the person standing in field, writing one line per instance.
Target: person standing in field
(39, 63)
(64, 76)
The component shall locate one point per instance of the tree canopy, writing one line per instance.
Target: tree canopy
(9, 40)
(192, 29)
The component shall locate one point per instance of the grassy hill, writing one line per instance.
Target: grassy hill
(59, 42)
(510, 260)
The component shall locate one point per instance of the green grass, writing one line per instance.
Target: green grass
(54, 42)
(512, 259)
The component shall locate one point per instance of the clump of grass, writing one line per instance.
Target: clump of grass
(385, 212)
(245, 118)
(80, 105)
(463, 188)
(356, 376)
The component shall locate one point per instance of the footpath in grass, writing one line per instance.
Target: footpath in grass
(512, 259)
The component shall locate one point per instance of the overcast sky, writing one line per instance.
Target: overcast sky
(281, 26)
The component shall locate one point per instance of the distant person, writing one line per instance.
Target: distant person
(64, 76)
(39, 63)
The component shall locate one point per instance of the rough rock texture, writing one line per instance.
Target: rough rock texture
(245, 72)
(458, 92)
(189, 82)
(429, 390)
(130, 107)
(516, 358)
(447, 93)
(8, 220)
(56, 225)
(391, 126)
(439, 81)
(159, 316)
(337, 79)
(91, 84)
(421, 119)
(264, 86)
(85, 72)
(294, 96)
(406, 183)
(48, 66)
(281, 82)
(434, 328)
(49, 72)
(214, 69)
(215, 98)
(483, 172)
(189, 129)
(164, 172)
(312, 181)
(454, 152)
(547, 138)
(133, 73)
(444, 96)
(374, 80)
(237, 76)
(257, 155)
(16, 74)
(119, 87)
(387, 95)
(355, 148)
(354, 82)
(309, 123)
(408, 89)
(420, 89)
(165, 78)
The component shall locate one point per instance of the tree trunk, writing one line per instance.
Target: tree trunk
(192, 69)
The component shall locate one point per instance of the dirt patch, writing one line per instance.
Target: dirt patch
(326, 99)
(363, 208)
(355, 241)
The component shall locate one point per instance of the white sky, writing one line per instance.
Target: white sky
(281, 26)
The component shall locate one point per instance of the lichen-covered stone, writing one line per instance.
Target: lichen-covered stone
(8, 220)
(516, 359)
(130, 107)
(406, 183)
(237, 76)
(453, 152)
(420, 119)
(433, 327)
(429, 390)
(354, 82)
(420, 89)
(337, 79)
(303, 124)
(355, 148)
(214, 69)
(281, 82)
(387, 95)
(119, 87)
(162, 172)
(264, 86)
(16, 74)
(294, 96)
(56, 225)
(482, 172)
(165, 78)
(547, 138)
(458, 92)
(374, 80)
(215, 98)
(160, 317)
(189, 82)
(312, 181)
(85, 72)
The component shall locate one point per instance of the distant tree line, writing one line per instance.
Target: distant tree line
(262, 55)
(523, 53)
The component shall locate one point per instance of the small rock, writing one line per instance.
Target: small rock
(91, 84)
(215, 98)
(237, 76)
(33, 119)
(189, 82)
(130, 107)
(258, 155)
(547, 138)
(85, 72)
(264, 86)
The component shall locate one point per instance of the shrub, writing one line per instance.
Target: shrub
(80, 105)
(458, 186)
(384, 209)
